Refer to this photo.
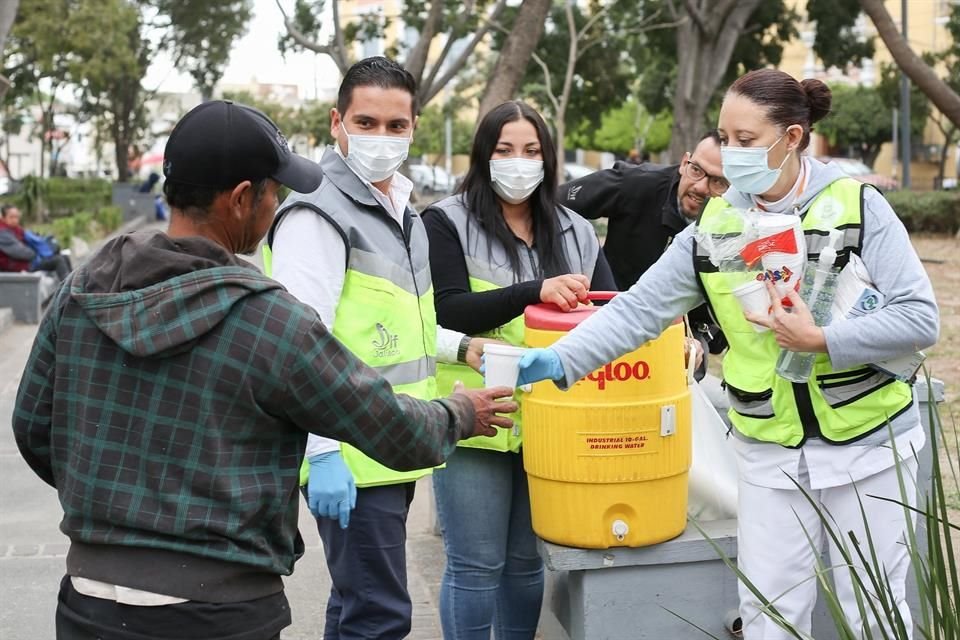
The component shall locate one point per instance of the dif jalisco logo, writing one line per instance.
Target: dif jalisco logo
(619, 372)
(386, 344)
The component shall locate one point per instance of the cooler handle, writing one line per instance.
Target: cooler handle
(604, 296)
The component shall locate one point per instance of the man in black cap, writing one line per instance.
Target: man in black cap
(169, 394)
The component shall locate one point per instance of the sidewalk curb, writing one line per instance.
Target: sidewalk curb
(6, 319)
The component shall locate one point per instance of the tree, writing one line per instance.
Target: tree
(110, 81)
(687, 68)
(836, 41)
(950, 58)
(430, 136)
(590, 51)
(629, 126)
(704, 46)
(8, 11)
(515, 53)
(460, 26)
(854, 124)
(311, 120)
(41, 58)
(201, 34)
(889, 91)
(102, 49)
(947, 100)
(920, 104)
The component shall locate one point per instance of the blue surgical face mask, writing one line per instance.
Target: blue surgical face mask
(748, 168)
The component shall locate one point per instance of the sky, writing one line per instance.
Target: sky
(255, 55)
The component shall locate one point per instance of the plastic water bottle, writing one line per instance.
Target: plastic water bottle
(818, 290)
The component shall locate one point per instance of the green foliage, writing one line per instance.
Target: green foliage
(202, 34)
(311, 120)
(102, 48)
(859, 121)
(654, 58)
(951, 55)
(314, 122)
(30, 197)
(109, 218)
(86, 225)
(629, 126)
(776, 23)
(40, 198)
(603, 70)
(889, 92)
(64, 229)
(430, 136)
(933, 560)
(836, 42)
(932, 211)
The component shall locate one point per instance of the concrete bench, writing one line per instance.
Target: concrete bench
(25, 293)
(619, 593)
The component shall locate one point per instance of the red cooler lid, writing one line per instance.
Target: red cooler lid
(550, 317)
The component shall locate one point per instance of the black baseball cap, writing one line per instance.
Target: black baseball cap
(221, 143)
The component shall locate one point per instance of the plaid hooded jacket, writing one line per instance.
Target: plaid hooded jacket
(167, 399)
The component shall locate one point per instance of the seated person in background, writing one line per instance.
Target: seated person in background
(22, 250)
(159, 208)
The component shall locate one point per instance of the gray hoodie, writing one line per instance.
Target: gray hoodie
(909, 321)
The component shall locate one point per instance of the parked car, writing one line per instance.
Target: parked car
(574, 171)
(859, 171)
(428, 179)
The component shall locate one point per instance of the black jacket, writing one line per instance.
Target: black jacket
(643, 215)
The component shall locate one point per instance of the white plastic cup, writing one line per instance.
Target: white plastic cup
(501, 365)
(784, 270)
(769, 224)
(753, 298)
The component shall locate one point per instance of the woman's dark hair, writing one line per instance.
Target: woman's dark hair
(788, 102)
(482, 201)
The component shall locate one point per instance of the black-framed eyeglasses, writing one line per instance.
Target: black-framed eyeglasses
(717, 185)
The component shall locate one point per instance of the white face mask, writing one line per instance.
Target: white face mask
(374, 158)
(514, 179)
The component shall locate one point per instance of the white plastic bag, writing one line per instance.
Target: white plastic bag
(713, 473)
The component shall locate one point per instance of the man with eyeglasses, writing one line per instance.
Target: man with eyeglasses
(646, 205)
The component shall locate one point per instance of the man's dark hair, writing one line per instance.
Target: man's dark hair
(376, 72)
(6, 207)
(195, 202)
(713, 134)
(482, 201)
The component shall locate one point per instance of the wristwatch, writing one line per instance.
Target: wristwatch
(462, 349)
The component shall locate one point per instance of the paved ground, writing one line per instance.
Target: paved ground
(32, 549)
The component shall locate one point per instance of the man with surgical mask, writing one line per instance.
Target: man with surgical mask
(357, 252)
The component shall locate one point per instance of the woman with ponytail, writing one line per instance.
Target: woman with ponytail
(828, 439)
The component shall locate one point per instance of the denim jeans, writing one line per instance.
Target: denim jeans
(494, 575)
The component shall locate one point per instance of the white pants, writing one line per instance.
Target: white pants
(775, 554)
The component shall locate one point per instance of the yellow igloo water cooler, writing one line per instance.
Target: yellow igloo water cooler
(607, 460)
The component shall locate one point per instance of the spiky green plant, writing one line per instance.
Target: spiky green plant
(934, 564)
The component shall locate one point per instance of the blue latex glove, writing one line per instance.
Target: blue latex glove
(539, 364)
(331, 492)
